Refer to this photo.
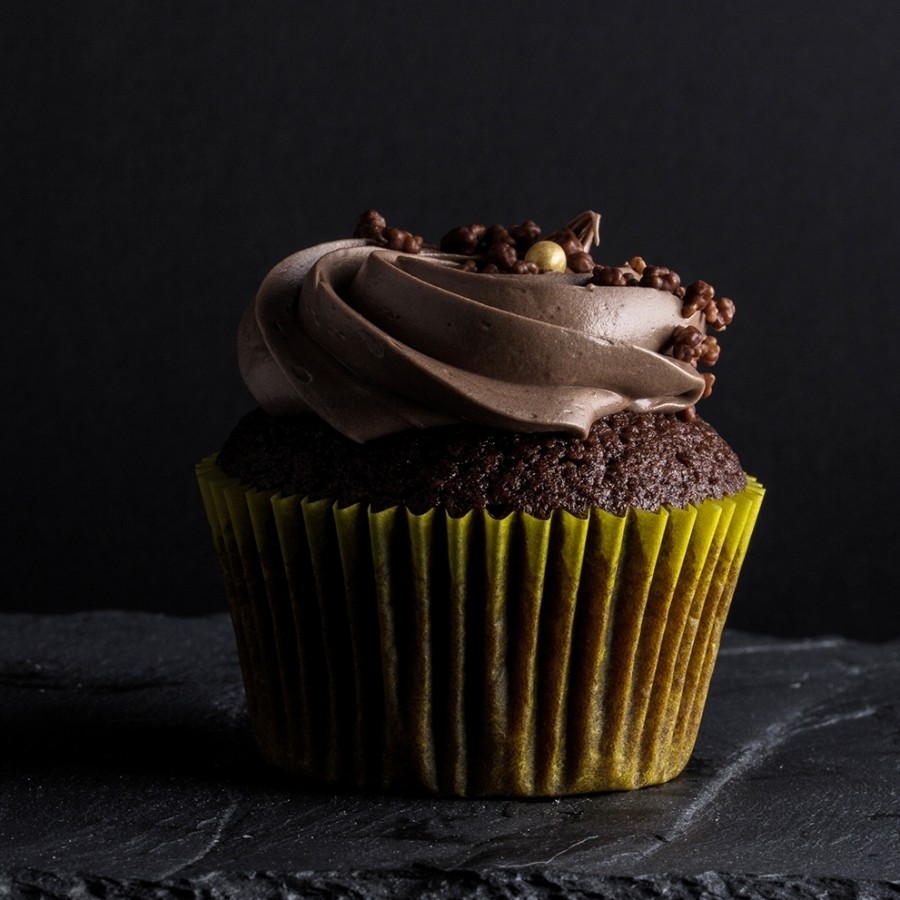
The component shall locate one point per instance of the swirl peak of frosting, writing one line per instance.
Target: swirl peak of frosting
(376, 340)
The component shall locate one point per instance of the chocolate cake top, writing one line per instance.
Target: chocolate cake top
(626, 460)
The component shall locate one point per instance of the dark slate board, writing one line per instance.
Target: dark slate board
(127, 769)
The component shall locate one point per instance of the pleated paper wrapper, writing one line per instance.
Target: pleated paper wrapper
(475, 656)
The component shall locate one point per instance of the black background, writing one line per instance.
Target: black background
(159, 157)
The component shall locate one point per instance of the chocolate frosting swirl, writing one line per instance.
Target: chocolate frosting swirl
(375, 341)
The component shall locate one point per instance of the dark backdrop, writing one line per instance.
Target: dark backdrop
(159, 157)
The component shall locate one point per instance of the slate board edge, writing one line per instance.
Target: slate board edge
(531, 882)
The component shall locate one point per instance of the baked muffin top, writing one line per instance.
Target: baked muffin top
(499, 369)
(642, 460)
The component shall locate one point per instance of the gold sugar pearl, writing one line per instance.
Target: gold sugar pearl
(547, 255)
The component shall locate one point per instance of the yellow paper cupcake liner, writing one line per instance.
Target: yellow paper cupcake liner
(476, 656)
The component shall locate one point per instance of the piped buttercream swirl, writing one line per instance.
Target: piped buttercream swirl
(376, 341)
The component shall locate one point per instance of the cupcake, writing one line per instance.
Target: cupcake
(476, 540)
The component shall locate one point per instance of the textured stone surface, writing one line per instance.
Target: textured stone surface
(537, 884)
(125, 754)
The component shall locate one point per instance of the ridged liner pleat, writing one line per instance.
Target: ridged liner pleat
(476, 656)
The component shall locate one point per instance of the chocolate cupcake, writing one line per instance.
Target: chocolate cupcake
(476, 540)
